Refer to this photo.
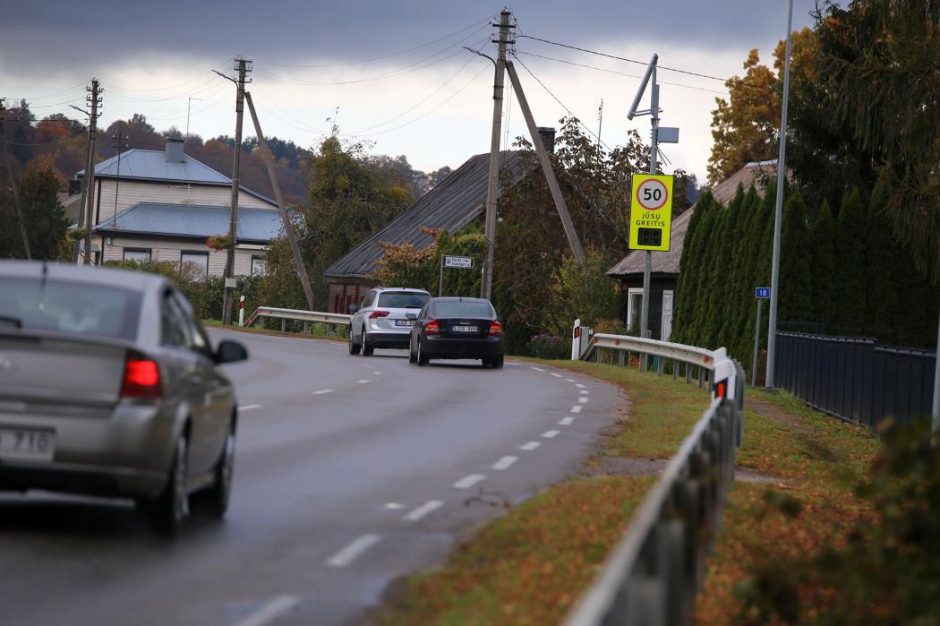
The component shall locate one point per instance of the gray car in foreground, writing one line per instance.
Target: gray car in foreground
(110, 387)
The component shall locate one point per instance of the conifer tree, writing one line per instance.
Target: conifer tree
(850, 253)
(688, 264)
(795, 297)
(822, 279)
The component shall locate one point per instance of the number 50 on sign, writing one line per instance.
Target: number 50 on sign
(650, 212)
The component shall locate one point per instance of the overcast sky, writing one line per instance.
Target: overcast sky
(396, 71)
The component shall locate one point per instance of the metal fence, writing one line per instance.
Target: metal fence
(856, 379)
(332, 320)
(657, 568)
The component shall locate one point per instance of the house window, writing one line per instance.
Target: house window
(137, 254)
(257, 266)
(198, 259)
(634, 309)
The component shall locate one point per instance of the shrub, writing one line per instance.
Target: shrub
(546, 346)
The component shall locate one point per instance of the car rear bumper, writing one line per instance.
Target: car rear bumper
(461, 347)
(389, 338)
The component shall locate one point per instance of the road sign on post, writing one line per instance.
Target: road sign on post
(651, 212)
(762, 293)
(458, 262)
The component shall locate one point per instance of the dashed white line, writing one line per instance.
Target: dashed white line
(424, 509)
(570, 380)
(505, 462)
(550, 434)
(537, 369)
(583, 400)
(270, 611)
(363, 381)
(584, 392)
(576, 408)
(566, 421)
(557, 375)
(322, 391)
(249, 407)
(376, 373)
(468, 481)
(348, 554)
(579, 385)
(532, 445)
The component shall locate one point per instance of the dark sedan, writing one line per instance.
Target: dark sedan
(457, 328)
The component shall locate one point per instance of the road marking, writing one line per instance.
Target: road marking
(557, 375)
(576, 408)
(322, 391)
(584, 392)
(249, 407)
(348, 554)
(532, 445)
(570, 380)
(270, 611)
(579, 385)
(376, 373)
(468, 481)
(363, 381)
(505, 462)
(424, 509)
(394, 506)
(583, 400)
(566, 421)
(550, 434)
(537, 369)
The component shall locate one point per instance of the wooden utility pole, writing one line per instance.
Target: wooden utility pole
(12, 177)
(492, 183)
(88, 187)
(268, 159)
(242, 66)
(546, 163)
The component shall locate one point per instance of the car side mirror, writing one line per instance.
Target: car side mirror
(411, 316)
(352, 308)
(229, 351)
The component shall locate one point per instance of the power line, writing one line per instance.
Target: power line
(619, 58)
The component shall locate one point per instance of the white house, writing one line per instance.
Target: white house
(164, 205)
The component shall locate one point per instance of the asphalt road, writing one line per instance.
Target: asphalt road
(350, 472)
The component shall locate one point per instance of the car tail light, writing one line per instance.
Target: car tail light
(496, 329)
(375, 314)
(141, 378)
(433, 327)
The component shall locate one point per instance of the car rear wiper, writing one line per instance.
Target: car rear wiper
(15, 321)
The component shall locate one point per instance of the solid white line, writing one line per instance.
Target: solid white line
(468, 481)
(576, 408)
(270, 611)
(322, 391)
(583, 400)
(557, 375)
(424, 509)
(550, 434)
(249, 407)
(532, 445)
(570, 380)
(363, 381)
(348, 554)
(505, 462)
(566, 421)
(579, 385)
(537, 369)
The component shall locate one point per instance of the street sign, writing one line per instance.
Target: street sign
(762, 293)
(651, 212)
(462, 262)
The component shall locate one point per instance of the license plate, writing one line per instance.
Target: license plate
(26, 444)
(404, 322)
(465, 329)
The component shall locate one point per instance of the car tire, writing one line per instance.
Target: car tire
(422, 358)
(366, 348)
(172, 507)
(353, 346)
(217, 497)
(487, 362)
(412, 357)
(497, 362)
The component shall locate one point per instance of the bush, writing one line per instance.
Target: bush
(546, 346)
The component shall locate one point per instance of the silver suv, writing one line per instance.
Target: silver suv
(384, 319)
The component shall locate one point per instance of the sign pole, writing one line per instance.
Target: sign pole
(440, 279)
(648, 266)
(760, 303)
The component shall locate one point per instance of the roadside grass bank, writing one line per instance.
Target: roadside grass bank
(532, 564)
(317, 331)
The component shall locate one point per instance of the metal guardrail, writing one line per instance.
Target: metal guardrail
(330, 319)
(653, 574)
(691, 358)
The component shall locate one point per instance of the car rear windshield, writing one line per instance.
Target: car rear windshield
(462, 309)
(66, 307)
(402, 299)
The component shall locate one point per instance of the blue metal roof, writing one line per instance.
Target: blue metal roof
(192, 222)
(138, 163)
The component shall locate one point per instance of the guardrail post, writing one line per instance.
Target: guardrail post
(688, 374)
(306, 328)
(621, 357)
(283, 326)
(660, 364)
(701, 373)
(675, 370)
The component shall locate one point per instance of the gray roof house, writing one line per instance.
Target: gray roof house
(163, 205)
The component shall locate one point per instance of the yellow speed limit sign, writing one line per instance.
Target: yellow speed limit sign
(650, 212)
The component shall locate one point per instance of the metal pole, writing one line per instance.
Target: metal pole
(492, 184)
(778, 212)
(242, 67)
(654, 153)
(440, 279)
(936, 389)
(760, 302)
(90, 171)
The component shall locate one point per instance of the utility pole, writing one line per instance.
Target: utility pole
(778, 212)
(600, 125)
(492, 184)
(16, 193)
(242, 66)
(189, 104)
(88, 192)
(268, 159)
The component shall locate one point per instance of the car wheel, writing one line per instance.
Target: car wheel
(497, 362)
(422, 358)
(412, 358)
(487, 363)
(217, 496)
(366, 348)
(173, 506)
(353, 346)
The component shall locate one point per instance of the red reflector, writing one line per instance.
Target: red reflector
(375, 314)
(721, 389)
(141, 378)
(577, 332)
(496, 329)
(432, 328)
